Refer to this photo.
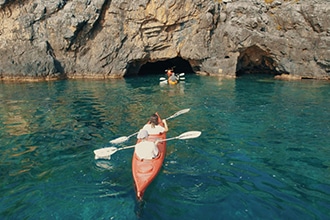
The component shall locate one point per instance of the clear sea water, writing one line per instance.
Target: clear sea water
(264, 152)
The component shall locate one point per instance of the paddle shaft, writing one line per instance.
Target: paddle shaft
(172, 116)
(106, 152)
(124, 148)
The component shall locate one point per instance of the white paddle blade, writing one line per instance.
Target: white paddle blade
(163, 82)
(162, 78)
(179, 113)
(119, 140)
(104, 153)
(190, 135)
(182, 111)
(181, 74)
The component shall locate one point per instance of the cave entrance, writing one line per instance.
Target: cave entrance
(180, 66)
(254, 60)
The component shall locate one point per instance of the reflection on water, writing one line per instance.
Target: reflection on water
(12, 118)
(263, 153)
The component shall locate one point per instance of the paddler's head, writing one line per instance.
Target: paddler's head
(153, 119)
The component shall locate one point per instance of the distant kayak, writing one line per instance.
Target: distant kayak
(172, 80)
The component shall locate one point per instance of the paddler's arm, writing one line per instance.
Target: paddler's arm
(165, 125)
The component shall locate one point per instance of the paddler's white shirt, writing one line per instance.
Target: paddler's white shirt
(146, 150)
(156, 130)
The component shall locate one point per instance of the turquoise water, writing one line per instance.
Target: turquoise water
(263, 154)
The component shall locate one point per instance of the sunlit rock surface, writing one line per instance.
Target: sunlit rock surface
(110, 39)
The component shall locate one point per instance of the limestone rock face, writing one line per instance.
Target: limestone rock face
(113, 38)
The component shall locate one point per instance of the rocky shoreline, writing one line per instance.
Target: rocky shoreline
(103, 39)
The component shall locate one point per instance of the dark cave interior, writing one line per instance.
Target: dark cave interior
(254, 60)
(180, 66)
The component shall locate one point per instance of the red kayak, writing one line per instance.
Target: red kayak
(144, 171)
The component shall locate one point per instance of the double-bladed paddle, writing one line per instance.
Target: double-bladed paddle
(105, 153)
(179, 77)
(125, 138)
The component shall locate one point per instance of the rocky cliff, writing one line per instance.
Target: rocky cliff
(114, 38)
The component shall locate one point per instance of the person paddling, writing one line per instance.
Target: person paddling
(145, 149)
(169, 72)
(173, 79)
(153, 127)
